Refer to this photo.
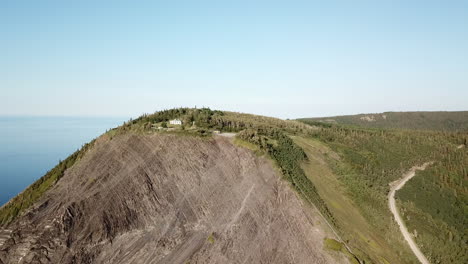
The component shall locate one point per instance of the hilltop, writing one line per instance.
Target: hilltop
(441, 121)
(154, 192)
(141, 194)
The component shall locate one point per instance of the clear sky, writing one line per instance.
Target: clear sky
(278, 58)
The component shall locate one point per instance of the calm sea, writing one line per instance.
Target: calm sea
(30, 146)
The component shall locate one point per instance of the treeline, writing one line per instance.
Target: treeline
(220, 120)
(440, 121)
(232, 121)
(201, 116)
(288, 157)
(269, 134)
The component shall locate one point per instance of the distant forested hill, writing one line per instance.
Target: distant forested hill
(442, 121)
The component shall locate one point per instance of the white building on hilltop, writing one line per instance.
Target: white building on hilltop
(175, 122)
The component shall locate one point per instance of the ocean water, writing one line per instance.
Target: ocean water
(30, 146)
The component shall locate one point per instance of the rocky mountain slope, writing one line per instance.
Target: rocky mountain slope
(280, 191)
(164, 198)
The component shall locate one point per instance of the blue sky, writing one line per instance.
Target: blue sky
(278, 58)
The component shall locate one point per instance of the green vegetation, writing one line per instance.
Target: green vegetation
(344, 170)
(204, 121)
(288, 157)
(207, 119)
(332, 244)
(210, 239)
(372, 158)
(365, 240)
(242, 143)
(436, 206)
(441, 121)
(34, 192)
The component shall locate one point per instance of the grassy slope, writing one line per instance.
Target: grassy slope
(372, 158)
(448, 121)
(365, 239)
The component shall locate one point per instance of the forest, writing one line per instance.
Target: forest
(440, 121)
(435, 202)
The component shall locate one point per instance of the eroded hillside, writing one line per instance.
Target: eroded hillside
(163, 198)
(154, 192)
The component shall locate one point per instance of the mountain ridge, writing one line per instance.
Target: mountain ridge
(361, 162)
(416, 120)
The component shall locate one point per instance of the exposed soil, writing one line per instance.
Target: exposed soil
(167, 199)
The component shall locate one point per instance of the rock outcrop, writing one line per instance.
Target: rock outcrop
(163, 198)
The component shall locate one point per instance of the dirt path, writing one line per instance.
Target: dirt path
(226, 134)
(395, 186)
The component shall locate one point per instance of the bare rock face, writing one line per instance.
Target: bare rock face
(167, 199)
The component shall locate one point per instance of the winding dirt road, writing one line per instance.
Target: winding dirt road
(395, 186)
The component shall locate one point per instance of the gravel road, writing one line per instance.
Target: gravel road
(395, 186)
